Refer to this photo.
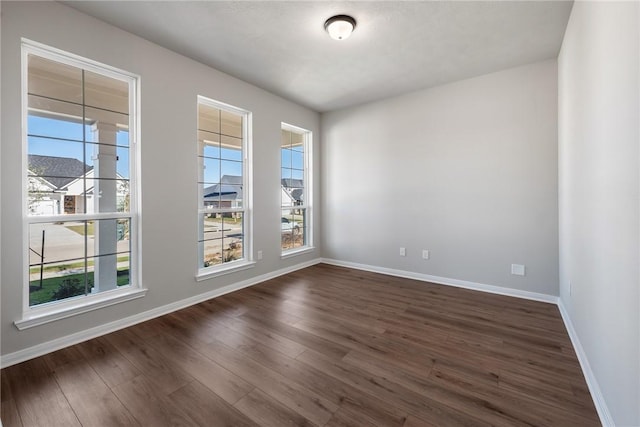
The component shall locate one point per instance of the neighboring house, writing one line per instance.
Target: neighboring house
(292, 191)
(57, 185)
(226, 194)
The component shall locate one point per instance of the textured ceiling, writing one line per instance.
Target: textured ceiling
(397, 47)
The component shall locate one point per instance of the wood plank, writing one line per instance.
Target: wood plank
(344, 418)
(92, 400)
(9, 415)
(304, 401)
(108, 362)
(268, 412)
(336, 391)
(424, 404)
(5, 389)
(218, 379)
(38, 397)
(149, 405)
(161, 371)
(207, 408)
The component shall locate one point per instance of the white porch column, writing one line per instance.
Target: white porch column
(105, 200)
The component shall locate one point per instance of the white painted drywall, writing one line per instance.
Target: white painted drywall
(466, 170)
(599, 184)
(170, 84)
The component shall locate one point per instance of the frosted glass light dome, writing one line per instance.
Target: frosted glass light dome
(340, 27)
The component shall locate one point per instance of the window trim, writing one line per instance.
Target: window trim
(308, 190)
(55, 310)
(204, 273)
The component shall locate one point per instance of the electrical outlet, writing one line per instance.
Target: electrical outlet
(425, 254)
(259, 255)
(517, 269)
(403, 252)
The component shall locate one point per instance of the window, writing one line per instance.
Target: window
(295, 219)
(224, 193)
(80, 171)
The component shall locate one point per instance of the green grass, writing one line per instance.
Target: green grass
(52, 284)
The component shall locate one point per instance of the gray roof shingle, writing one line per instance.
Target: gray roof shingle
(59, 171)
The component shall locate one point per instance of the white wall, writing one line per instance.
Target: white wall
(170, 84)
(599, 195)
(466, 170)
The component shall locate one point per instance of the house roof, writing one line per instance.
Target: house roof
(295, 187)
(292, 183)
(59, 171)
(229, 188)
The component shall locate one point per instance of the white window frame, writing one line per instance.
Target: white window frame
(55, 310)
(308, 190)
(204, 273)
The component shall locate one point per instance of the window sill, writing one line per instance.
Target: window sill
(81, 306)
(296, 252)
(220, 271)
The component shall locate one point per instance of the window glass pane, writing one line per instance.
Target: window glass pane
(107, 161)
(285, 157)
(285, 140)
(231, 124)
(54, 80)
(113, 195)
(230, 168)
(297, 159)
(122, 138)
(232, 237)
(291, 229)
(56, 258)
(210, 242)
(45, 118)
(297, 140)
(210, 196)
(209, 144)
(122, 162)
(208, 118)
(55, 243)
(297, 174)
(56, 158)
(231, 148)
(210, 170)
(286, 175)
(106, 93)
(105, 124)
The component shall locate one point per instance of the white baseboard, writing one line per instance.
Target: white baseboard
(69, 340)
(596, 394)
(446, 281)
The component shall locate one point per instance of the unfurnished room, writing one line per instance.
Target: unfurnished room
(320, 213)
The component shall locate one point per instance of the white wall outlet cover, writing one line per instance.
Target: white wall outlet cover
(403, 252)
(517, 269)
(259, 255)
(425, 254)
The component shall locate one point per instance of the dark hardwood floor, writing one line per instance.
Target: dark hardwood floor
(323, 346)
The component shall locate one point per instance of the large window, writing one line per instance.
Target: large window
(80, 167)
(295, 219)
(223, 187)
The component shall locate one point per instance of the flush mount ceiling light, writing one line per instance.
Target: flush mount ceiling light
(340, 27)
